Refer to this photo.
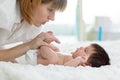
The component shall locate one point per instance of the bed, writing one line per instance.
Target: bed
(15, 71)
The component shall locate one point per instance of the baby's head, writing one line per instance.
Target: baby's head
(99, 57)
(94, 55)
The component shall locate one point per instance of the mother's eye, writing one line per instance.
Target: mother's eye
(50, 10)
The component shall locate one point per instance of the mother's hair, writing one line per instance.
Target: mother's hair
(26, 9)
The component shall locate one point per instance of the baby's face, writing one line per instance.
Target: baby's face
(83, 52)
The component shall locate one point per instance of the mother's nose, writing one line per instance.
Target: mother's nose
(52, 16)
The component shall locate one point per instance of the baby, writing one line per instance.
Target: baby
(92, 55)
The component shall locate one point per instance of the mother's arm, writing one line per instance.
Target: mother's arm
(14, 52)
(17, 51)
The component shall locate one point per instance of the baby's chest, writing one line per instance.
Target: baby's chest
(61, 60)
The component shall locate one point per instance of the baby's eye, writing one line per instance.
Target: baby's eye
(85, 50)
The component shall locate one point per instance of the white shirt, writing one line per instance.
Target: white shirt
(11, 30)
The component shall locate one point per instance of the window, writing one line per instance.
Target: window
(105, 13)
(95, 13)
(64, 23)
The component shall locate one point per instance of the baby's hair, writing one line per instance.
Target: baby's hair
(99, 57)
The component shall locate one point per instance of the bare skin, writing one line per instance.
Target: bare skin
(47, 56)
(41, 14)
(43, 38)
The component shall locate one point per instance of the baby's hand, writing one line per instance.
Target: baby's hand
(82, 60)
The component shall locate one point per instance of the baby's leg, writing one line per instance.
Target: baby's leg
(47, 56)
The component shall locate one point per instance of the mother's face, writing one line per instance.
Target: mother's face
(43, 14)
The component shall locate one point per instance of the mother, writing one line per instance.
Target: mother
(21, 20)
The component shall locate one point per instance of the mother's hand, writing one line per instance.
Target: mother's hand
(51, 38)
(44, 38)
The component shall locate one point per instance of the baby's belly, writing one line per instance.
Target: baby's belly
(61, 59)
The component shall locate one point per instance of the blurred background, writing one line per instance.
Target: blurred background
(87, 20)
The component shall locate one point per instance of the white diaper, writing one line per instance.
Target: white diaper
(31, 57)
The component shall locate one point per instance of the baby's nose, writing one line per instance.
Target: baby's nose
(81, 48)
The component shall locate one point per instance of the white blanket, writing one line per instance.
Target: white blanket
(14, 71)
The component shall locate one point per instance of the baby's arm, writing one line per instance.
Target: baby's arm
(47, 56)
(74, 62)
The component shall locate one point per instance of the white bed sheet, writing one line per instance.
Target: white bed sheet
(13, 71)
